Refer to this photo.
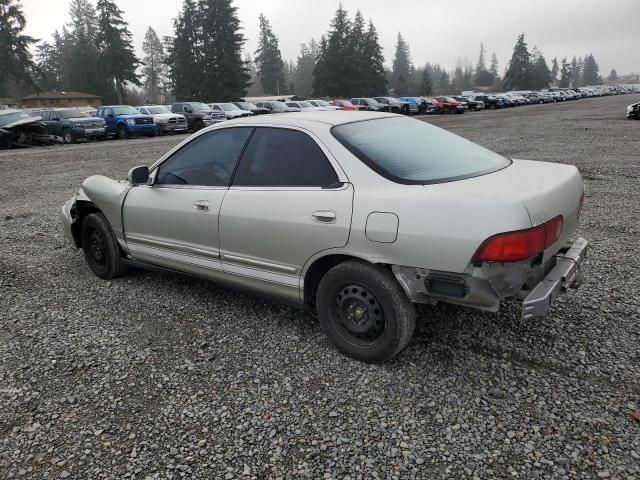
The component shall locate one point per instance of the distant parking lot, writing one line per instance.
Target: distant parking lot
(156, 376)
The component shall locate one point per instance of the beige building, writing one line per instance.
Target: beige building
(55, 99)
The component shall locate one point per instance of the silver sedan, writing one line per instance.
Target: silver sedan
(356, 216)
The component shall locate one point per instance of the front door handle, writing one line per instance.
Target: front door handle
(324, 216)
(201, 205)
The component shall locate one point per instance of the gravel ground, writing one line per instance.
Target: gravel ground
(156, 376)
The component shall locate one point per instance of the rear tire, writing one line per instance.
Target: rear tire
(100, 247)
(364, 311)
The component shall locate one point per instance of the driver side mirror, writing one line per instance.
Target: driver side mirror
(110, 115)
(138, 175)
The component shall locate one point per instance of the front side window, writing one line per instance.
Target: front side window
(282, 157)
(409, 151)
(209, 160)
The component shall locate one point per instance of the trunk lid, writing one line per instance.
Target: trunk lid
(545, 189)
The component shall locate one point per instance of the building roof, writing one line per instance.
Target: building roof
(53, 94)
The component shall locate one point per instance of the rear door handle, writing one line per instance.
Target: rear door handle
(324, 216)
(201, 205)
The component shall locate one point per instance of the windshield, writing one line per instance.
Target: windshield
(13, 117)
(228, 107)
(305, 104)
(200, 106)
(322, 103)
(126, 110)
(410, 151)
(72, 114)
(158, 110)
(278, 106)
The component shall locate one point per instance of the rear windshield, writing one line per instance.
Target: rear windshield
(410, 151)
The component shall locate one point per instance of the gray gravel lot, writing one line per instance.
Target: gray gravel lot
(156, 376)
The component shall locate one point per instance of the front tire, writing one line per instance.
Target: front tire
(121, 132)
(100, 247)
(364, 311)
(68, 136)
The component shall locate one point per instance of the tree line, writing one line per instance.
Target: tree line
(203, 60)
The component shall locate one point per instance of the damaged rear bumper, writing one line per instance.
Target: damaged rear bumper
(484, 286)
(562, 276)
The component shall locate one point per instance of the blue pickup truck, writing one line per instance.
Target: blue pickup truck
(124, 121)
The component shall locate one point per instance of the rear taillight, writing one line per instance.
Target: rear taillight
(519, 245)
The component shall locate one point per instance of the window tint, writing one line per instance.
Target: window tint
(208, 160)
(281, 157)
(414, 152)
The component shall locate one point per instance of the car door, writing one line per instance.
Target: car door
(173, 220)
(110, 118)
(289, 200)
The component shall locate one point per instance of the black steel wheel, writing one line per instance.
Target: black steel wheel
(364, 311)
(100, 247)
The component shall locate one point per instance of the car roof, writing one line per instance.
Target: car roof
(331, 117)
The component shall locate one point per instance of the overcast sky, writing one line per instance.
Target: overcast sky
(438, 31)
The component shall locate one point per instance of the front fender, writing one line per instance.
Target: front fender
(107, 195)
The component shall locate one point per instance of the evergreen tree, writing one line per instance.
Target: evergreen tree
(402, 68)
(482, 76)
(575, 73)
(50, 69)
(269, 59)
(184, 53)
(80, 52)
(517, 76)
(613, 76)
(457, 80)
(16, 63)
(332, 73)
(223, 74)
(540, 73)
(254, 89)
(153, 69)
(553, 79)
(426, 86)
(565, 74)
(117, 60)
(305, 64)
(591, 71)
(373, 77)
(493, 69)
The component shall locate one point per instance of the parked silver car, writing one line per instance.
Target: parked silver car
(356, 215)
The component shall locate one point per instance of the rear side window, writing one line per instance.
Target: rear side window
(281, 157)
(410, 151)
(209, 160)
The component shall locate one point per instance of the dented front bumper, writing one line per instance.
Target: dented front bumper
(562, 276)
(66, 220)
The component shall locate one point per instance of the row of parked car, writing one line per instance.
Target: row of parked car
(68, 125)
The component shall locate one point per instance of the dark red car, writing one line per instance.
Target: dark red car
(451, 105)
(344, 105)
